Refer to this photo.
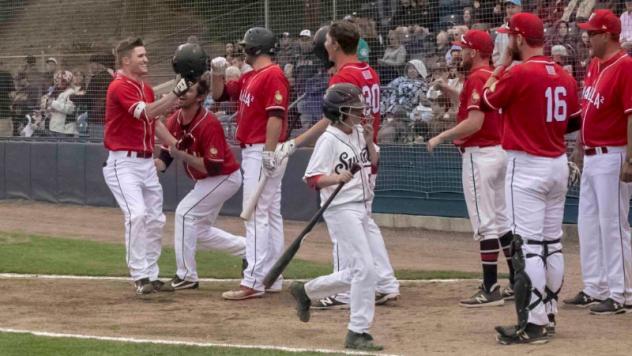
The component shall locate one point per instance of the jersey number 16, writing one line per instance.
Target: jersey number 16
(556, 107)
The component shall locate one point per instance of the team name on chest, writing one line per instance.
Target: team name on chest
(591, 95)
(246, 98)
(346, 160)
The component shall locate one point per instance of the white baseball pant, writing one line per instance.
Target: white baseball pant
(350, 224)
(264, 229)
(194, 220)
(483, 175)
(535, 192)
(135, 186)
(604, 231)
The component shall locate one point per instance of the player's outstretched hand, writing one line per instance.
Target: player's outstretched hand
(269, 162)
(344, 176)
(626, 172)
(433, 143)
(285, 150)
(219, 65)
(574, 174)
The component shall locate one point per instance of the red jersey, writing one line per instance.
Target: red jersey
(127, 127)
(364, 77)
(208, 142)
(470, 99)
(537, 98)
(607, 101)
(260, 91)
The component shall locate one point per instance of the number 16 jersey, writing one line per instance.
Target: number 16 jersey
(537, 98)
(364, 77)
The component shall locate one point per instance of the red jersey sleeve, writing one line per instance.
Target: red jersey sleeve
(501, 92)
(475, 90)
(131, 99)
(171, 124)
(626, 88)
(574, 105)
(276, 97)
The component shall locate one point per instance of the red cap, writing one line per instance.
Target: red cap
(476, 39)
(602, 20)
(526, 24)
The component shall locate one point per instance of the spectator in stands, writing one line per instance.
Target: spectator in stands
(560, 55)
(453, 57)
(286, 52)
(238, 59)
(408, 13)
(443, 45)
(626, 27)
(58, 106)
(416, 44)
(394, 128)
(6, 88)
(393, 60)
(100, 69)
(232, 73)
(440, 75)
(562, 36)
(550, 11)
(466, 18)
(49, 75)
(512, 7)
(583, 56)
(229, 49)
(404, 92)
(79, 82)
(442, 117)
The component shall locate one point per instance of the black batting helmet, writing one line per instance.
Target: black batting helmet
(319, 47)
(258, 41)
(190, 61)
(340, 99)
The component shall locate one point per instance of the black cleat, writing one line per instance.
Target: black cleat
(362, 341)
(385, 298)
(160, 286)
(179, 284)
(297, 289)
(532, 334)
(607, 307)
(329, 303)
(582, 300)
(143, 286)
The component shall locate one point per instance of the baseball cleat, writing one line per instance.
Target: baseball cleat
(297, 289)
(242, 293)
(362, 342)
(330, 303)
(532, 334)
(607, 307)
(550, 327)
(482, 298)
(384, 298)
(179, 284)
(582, 300)
(143, 286)
(507, 293)
(160, 286)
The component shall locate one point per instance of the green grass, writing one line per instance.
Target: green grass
(20, 253)
(27, 344)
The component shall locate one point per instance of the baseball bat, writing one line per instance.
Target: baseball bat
(250, 205)
(291, 251)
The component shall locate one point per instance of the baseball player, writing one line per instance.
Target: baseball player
(604, 231)
(344, 144)
(262, 124)
(130, 126)
(208, 160)
(484, 168)
(336, 46)
(537, 98)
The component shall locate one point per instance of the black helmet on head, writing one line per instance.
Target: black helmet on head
(190, 61)
(319, 47)
(258, 41)
(341, 99)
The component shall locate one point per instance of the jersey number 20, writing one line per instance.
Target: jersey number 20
(556, 107)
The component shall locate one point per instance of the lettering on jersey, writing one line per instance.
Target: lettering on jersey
(592, 96)
(246, 98)
(550, 70)
(367, 74)
(346, 162)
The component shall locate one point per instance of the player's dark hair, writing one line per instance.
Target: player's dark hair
(347, 35)
(203, 86)
(125, 47)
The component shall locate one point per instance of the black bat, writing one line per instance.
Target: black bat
(291, 251)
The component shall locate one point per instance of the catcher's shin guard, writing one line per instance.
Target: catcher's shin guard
(522, 282)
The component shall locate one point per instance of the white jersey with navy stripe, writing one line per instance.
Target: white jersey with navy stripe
(336, 151)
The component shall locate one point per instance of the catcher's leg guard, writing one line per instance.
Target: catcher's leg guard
(522, 283)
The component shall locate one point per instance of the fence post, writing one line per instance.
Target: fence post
(266, 13)
(333, 10)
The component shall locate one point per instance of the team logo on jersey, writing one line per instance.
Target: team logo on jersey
(347, 161)
(476, 97)
(367, 74)
(213, 151)
(592, 96)
(246, 98)
(278, 98)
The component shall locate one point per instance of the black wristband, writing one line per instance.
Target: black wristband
(165, 157)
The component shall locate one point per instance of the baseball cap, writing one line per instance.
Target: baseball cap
(526, 24)
(602, 20)
(476, 39)
(305, 33)
(515, 2)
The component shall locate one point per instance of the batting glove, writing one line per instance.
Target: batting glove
(284, 150)
(182, 86)
(269, 162)
(218, 65)
(574, 174)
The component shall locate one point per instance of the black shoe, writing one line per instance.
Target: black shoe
(550, 328)
(532, 334)
(330, 303)
(143, 286)
(160, 286)
(483, 298)
(582, 300)
(384, 298)
(179, 284)
(607, 307)
(362, 341)
(244, 265)
(508, 293)
(297, 289)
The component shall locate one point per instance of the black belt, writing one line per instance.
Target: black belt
(462, 149)
(244, 145)
(538, 242)
(594, 150)
(140, 154)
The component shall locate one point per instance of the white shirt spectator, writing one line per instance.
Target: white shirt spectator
(626, 24)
